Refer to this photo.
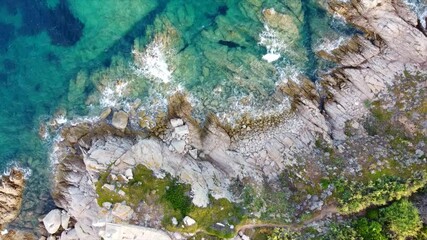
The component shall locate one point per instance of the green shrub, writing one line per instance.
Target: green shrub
(401, 219)
(356, 196)
(283, 234)
(176, 194)
(341, 232)
(368, 229)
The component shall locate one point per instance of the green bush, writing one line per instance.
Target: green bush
(369, 229)
(401, 219)
(356, 196)
(176, 194)
(283, 234)
(341, 232)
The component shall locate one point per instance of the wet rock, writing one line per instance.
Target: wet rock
(11, 190)
(105, 113)
(120, 120)
(188, 221)
(52, 221)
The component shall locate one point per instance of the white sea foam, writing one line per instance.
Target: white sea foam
(16, 165)
(288, 72)
(269, 38)
(151, 63)
(113, 94)
(330, 44)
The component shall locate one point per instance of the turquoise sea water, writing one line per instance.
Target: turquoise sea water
(215, 44)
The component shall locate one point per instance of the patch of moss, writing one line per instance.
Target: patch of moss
(177, 195)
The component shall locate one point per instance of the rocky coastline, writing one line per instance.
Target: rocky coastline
(211, 157)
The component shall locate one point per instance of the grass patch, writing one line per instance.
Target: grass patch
(173, 198)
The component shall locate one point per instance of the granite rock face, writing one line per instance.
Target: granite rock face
(11, 189)
(366, 66)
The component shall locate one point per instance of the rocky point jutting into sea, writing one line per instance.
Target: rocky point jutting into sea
(136, 172)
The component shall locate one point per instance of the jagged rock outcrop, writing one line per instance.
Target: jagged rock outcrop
(11, 190)
(366, 65)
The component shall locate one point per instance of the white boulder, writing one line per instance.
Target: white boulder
(129, 174)
(52, 221)
(176, 122)
(182, 130)
(188, 221)
(65, 219)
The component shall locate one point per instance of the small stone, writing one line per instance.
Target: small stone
(120, 120)
(174, 221)
(4, 232)
(188, 221)
(179, 145)
(52, 221)
(182, 130)
(105, 113)
(176, 122)
(122, 179)
(108, 187)
(129, 174)
(123, 212)
(107, 205)
(355, 125)
(121, 193)
(113, 177)
(193, 153)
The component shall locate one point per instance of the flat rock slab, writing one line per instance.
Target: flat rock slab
(122, 231)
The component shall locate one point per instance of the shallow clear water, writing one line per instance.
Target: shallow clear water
(214, 50)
